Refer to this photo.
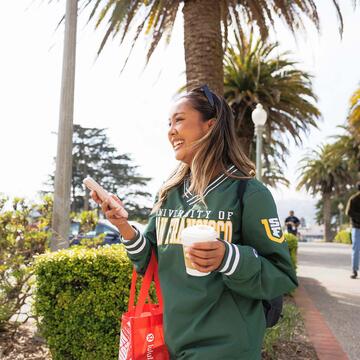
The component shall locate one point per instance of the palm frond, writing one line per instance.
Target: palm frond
(354, 113)
(324, 171)
(253, 74)
(156, 18)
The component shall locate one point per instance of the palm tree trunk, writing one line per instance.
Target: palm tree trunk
(245, 143)
(203, 44)
(327, 216)
(245, 128)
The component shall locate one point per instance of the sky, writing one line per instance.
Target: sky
(134, 105)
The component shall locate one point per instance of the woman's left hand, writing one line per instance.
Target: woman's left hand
(206, 256)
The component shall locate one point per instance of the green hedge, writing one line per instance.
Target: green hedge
(292, 241)
(343, 237)
(80, 296)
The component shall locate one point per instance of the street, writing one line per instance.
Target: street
(324, 270)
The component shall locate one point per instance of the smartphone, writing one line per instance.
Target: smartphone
(91, 184)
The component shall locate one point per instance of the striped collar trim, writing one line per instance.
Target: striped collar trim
(192, 199)
(187, 192)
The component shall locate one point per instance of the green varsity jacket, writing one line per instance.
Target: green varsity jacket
(219, 316)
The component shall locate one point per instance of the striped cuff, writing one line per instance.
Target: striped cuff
(231, 259)
(135, 245)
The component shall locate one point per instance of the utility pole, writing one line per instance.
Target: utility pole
(61, 209)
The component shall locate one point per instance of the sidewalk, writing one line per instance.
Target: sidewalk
(329, 300)
(326, 345)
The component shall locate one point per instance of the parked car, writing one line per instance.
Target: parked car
(74, 230)
(112, 235)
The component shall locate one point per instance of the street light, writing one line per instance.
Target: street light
(259, 117)
(341, 208)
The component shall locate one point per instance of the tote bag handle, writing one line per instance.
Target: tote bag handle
(150, 274)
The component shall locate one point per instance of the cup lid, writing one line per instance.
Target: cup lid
(200, 232)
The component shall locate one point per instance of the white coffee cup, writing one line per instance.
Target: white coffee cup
(192, 235)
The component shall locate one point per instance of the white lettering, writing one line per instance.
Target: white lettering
(275, 227)
(276, 231)
(274, 222)
(149, 352)
(188, 213)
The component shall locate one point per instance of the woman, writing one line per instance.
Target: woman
(219, 316)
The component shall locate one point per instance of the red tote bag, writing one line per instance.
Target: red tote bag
(142, 335)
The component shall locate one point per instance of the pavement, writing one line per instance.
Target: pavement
(329, 299)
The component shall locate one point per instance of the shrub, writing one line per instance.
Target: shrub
(283, 331)
(292, 242)
(80, 296)
(25, 231)
(87, 219)
(343, 237)
(22, 235)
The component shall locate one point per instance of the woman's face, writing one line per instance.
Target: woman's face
(186, 126)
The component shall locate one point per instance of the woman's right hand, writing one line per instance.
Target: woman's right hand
(114, 215)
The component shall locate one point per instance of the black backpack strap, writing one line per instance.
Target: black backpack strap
(241, 191)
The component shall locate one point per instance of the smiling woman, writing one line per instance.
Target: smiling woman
(220, 314)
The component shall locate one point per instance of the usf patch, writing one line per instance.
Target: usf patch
(273, 229)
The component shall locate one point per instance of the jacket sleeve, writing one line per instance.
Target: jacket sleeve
(261, 267)
(139, 249)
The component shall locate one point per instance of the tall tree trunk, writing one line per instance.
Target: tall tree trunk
(245, 143)
(327, 216)
(203, 44)
(245, 128)
(61, 210)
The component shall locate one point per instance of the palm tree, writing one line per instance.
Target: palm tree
(354, 114)
(347, 146)
(253, 73)
(205, 26)
(351, 143)
(324, 172)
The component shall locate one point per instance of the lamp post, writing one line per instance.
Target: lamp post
(341, 208)
(259, 117)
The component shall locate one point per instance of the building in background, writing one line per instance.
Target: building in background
(311, 233)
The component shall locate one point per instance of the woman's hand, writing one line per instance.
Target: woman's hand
(114, 215)
(206, 256)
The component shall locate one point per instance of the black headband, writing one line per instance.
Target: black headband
(208, 94)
